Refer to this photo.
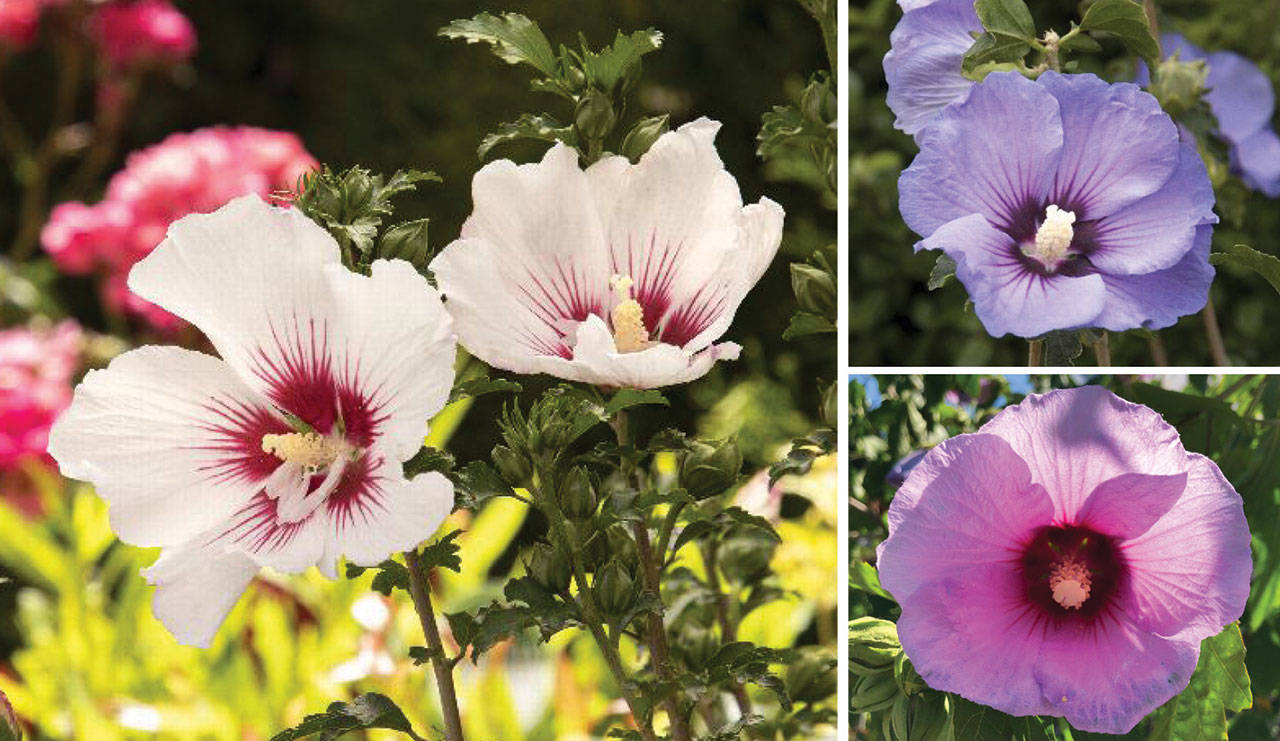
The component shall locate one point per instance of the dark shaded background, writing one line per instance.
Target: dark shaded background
(895, 320)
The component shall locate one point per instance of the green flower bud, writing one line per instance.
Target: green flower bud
(815, 289)
(594, 117)
(513, 466)
(1178, 85)
(357, 190)
(577, 497)
(549, 568)
(745, 558)
(407, 241)
(870, 694)
(576, 77)
(909, 680)
(818, 103)
(696, 645)
(873, 646)
(812, 677)
(708, 470)
(322, 197)
(643, 135)
(614, 588)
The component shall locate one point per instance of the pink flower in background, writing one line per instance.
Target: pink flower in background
(19, 21)
(142, 32)
(186, 173)
(1067, 559)
(36, 368)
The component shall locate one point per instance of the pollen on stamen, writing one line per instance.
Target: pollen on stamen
(627, 317)
(311, 450)
(1070, 583)
(1053, 238)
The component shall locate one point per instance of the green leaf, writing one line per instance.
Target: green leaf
(442, 554)
(943, 270)
(370, 710)
(742, 518)
(804, 451)
(391, 575)
(991, 49)
(478, 481)
(1128, 22)
(863, 576)
(474, 387)
(612, 64)
(804, 324)
(1245, 257)
(972, 720)
(628, 397)
(539, 127)
(428, 459)
(1007, 18)
(515, 39)
(1220, 684)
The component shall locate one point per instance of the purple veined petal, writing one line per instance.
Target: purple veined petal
(969, 164)
(1009, 295)
(923, 66)
(1074, 440)
(1157, 300)
(1191, 568)
(1089, 675)
(1257, 159)
(1118, 144)
(1158, 231)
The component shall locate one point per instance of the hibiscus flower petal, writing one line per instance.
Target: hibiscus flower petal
(397, 517)
(171, 438)
(924, 61)
(1157, 300)
(196, 587)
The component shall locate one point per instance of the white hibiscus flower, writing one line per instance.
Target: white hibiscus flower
(287, 451)
(619, 275)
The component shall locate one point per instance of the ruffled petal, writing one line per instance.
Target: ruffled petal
(1075, 439)
(969, 502)
(969, 634)
(1189, 572)
(1008, 296)
(1119, 145)
(196, 586)
(1157, 300)
(396, 517)
(171, 438)
(1106, 678)
(676, 225)
(1257, 159)
(923, 63)
(596, 360)
(1240, 95)
(968, 163)
(1158, 231)
(394, 367)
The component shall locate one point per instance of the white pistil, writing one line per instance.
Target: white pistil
(1053, 238)
(627, 317)
(1070, 582)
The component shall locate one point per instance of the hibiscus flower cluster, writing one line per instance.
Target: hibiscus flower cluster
(126, 32)
(186, 173)
(287, 450)
(1098, 213)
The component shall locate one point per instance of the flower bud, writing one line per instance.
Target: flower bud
(614, 588)
(576, 77)
(513, 466)
(745, 558)
(408, 242)
(818, 103)
(1178, 85)
(873, 646)
(696, 645)
(594, 117)
(708, 469)
(873, 693)
(643, 135)
(577, 497)
(812, 677)
(815, 289)
(357, 190)
(549, 568)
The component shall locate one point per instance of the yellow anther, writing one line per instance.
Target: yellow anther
(1053, 238)
(629, 332)
(311, 450)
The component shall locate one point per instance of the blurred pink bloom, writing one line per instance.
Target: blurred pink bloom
(19, 21)
(1067, 559)
(36, 368)
(142, 32)
(186, 173)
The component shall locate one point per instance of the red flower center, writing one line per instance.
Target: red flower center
(1071, 572)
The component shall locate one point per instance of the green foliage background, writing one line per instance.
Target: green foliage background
(895, 320)
(1233, 419)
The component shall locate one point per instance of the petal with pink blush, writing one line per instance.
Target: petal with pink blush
(1075, 439)
(1190, 571)
(1129, 504)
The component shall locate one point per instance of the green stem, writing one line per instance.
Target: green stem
(1216, 348)
(440, 662)
(728, 629)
